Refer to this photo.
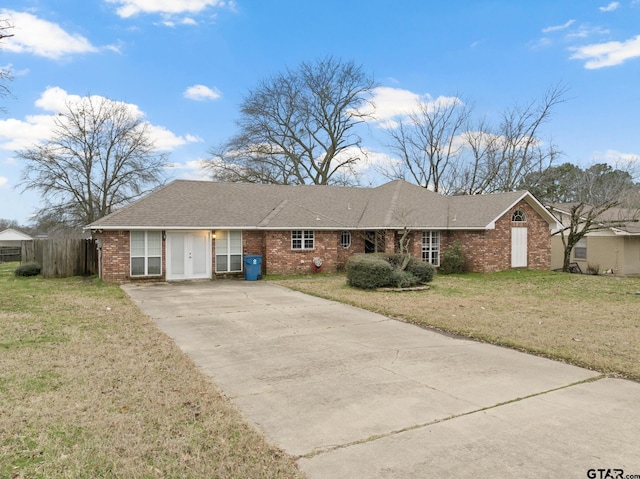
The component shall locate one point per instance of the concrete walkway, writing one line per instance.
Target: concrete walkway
(353, 394)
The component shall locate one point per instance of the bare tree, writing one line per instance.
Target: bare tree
(5, 75)
(597, 204)
(427, 143)
(298, 127)
(501, 157)
(99, 157)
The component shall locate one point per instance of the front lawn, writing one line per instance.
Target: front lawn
(90, 388)
(591, 321)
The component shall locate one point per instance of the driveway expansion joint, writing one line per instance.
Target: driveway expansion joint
(375, 437)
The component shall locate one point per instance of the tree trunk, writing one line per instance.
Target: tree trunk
(567, 259)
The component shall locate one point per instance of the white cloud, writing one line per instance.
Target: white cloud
(390, 106)
(130, 8)
(616, 158)
(607, 54)
(555, 28)
(165, 139)
(585, 31)
(17, 134)
(192, 170)
(201, 93)
(3, 181)
(40, 37)
(611, 7)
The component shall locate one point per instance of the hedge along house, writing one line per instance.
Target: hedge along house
(200, 229)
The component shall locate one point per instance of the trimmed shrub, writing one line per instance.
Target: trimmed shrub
(403, 279)
(28, 269)
(422, 270)
(453, 259)
(368, 271)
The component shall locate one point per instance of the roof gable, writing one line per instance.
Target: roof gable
(13, 235)
(621, 221)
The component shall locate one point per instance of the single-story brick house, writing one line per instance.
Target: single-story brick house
(202, 229)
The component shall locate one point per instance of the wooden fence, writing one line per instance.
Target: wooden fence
(61, 258)
(9, 253)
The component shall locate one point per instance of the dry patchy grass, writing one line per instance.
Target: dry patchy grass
(90, 388)
(590, 321)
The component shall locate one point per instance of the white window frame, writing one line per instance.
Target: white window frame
(519, 216)
(146, 254)
(225, 237)
(345, 239)
(431, 247)
(580, 249)
(303, 240)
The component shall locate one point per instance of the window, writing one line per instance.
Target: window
(345, 239)
(228, 251)
(518, 216)
(302, 239)
(431, 247)
(374, 241)
(146, 253)
(580, 249)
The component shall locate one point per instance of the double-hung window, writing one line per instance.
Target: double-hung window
(580, 249)
(228, 251)
(146, 253)
(431, 247)
(302, 239)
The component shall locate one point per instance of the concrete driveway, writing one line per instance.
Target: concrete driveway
(353, 394)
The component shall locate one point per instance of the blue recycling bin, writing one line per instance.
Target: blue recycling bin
(252, 267)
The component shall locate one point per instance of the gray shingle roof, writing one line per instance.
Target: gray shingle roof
(186, 204)
(619, 220)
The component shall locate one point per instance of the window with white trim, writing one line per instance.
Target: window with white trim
(518, 216)
(431, 247)
(302, 239)
(228, 251)
(345, 239)
(580, 249)
(146, 253)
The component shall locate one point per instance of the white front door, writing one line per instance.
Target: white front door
(518, 247)
(188, 255)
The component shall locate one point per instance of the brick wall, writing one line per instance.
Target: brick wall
(116, 247)
(490, 250)
(281, 259)
(115, 255)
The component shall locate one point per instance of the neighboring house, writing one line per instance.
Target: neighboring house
(10, 243)
(201, 229)
(614, 246)
(11, 237)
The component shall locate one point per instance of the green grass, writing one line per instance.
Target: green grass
(590, 321)
(90, 388)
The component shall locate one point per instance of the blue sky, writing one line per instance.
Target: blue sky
(186, 65)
